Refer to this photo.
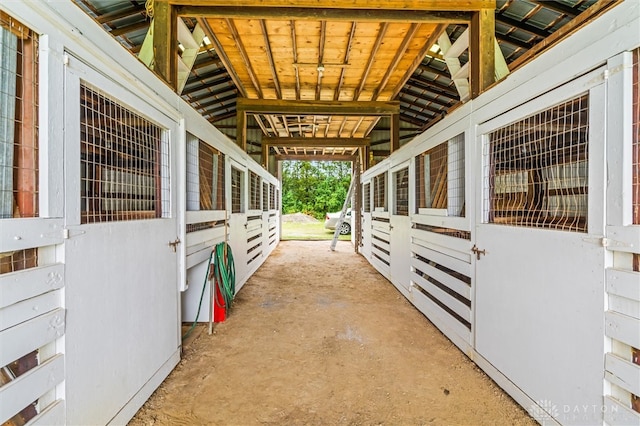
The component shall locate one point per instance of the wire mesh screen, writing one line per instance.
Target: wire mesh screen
(18, 260)
(380, 192)
(265, 196)
(124, 162)
(536, 170)
(440, 178)
(401, 192)
(205, 176)
(366, 197)
(236, 191)
(272, 196)
(18, 119)
(254, 191)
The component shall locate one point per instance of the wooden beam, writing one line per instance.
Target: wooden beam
(264, 156)
(279, 106)
(482, 50)
(323, 36)
(129, 28)
(328, 14)
(165, 36)
(272, 65)
(245, 56)
(119, 14)
(318, 142)
(315, 157)
(295, 57)
(427, 5)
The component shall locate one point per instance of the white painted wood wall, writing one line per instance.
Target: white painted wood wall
(105, 305)
(552, 315)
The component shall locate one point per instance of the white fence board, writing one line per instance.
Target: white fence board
(22, 285)
(22, 311)
(457, 244)
(443, 259)
(382, 244)
(623, 238)
(624, 306)
(616, 414)
(461, 223)
(204, 216)
(30, 335)
(623, 283)
(206, 236)
(622, 373)
(437, 245)
(451, 327)
(450, 302)
(623, 328)
(453, 283)
(20, 233)
(52, 415)
(27, 388)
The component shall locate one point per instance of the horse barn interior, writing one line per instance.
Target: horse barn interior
(496, 158)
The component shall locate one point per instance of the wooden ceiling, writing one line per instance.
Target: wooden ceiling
(298, 77)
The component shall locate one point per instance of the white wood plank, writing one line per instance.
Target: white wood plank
(53, 415)
(418, 239)
(622, 328)
(450, 302)
(457, 244)
(622, 373)
(27, 388)
(461, 223)
(253, 231)
(19, 234)
(30, 308)
(382, 244)
(453, 283)
(194, 239)
(624, 306)
(624, 238)
(382, 235)
(21, 285)
(26, 337)
(623, 283)
(197, 257)
(451, 327)
(443, 259)
(616, 414)
(204, 216)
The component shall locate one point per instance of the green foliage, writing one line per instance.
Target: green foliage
(314, 188)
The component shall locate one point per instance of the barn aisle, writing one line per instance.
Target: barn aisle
(320, 338)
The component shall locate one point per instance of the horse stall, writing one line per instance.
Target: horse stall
(119, 200)
(511, 225)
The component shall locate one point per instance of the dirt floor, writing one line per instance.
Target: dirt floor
(320, 338)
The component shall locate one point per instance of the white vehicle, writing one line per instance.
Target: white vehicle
(331, 220)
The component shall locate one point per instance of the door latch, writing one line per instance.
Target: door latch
(174, 244)
(478, 252)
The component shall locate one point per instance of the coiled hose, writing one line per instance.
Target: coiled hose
(224, 276)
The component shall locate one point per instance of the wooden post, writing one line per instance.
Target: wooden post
(265, 156)
(165, 36)
(241, 129)
(482, 47)
(394, 130)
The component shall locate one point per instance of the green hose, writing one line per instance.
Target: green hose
(224, 275)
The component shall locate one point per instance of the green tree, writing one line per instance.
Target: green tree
(314, 188)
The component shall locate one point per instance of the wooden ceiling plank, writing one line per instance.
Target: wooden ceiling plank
(129, 28)
(245, 56)
(347, 53)
(323, 35)
(448, 16)
(357, 4)
(272, 66)
(374, 51)
(358, 108)
(413, 29)
(317, 142)
(119, 14)
(223, 57)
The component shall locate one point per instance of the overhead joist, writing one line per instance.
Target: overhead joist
(325, 14)
(165, 34)
(318, 142)
(482, 48)
(311, 107)
(315, 157)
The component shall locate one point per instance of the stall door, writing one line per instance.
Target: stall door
(538, 253)
(238, 224)
(122, 253)
(400, 227)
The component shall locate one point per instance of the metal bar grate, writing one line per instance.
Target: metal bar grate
(440, 178)
(536, 170)
(124, 162)
(380, 192)
(265, 196)
(205, 176)
(236, 191)
(366, 197)
(272, 196)
(18, 120)
(254, 191)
